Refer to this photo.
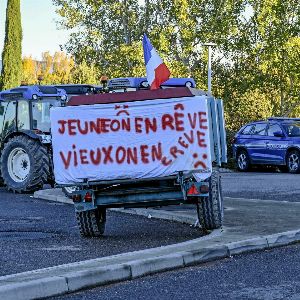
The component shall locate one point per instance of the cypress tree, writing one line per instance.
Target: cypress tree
(12, 51)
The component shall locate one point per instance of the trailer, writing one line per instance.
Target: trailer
(140, 149)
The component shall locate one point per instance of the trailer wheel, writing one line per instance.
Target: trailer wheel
(91, 223)
(210, 210)
(24, 164)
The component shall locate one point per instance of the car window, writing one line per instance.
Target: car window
(273, 128)
(260, 129)
(247, 129)
(292, 129)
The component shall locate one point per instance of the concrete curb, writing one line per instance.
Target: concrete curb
(95, 272)
(33, 289)
(259, 243)
(284, 238)
(44, 194)
(62, 279)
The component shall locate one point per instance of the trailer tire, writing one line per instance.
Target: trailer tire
(24, 164)
(210, 210)
(91, 223)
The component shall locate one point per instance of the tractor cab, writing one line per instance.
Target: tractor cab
(27, 109)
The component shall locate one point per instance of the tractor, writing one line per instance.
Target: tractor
(25, 140)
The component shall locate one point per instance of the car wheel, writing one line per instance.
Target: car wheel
(243, 161)
(293, 161)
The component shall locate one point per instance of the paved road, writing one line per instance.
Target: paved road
(258, 185)
(269, 275)
(263, 275)
(36, 234)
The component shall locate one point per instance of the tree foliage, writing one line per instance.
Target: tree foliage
(84, 73)
(57, 69)
(29, 74)
(255, 64)
(12, 51)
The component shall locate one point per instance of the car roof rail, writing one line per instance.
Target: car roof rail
(283, 119)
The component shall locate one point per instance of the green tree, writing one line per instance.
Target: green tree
(243, 108)
(106, 33)
(84, 73)
(256, 61)
(12, 51)
(279, 51)
(109, 33)
(62, 67)
(265, 55)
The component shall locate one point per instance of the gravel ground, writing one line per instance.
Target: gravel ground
(268, 275)
(36, 234)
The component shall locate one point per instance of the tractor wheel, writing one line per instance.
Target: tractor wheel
(91, 223)
(24, 164)
(210, 209)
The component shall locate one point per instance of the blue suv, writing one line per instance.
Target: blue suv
(272, 142)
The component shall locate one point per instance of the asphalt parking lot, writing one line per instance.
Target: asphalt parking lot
(262, 185)
(37, 234)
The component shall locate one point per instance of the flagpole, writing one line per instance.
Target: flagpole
(209, 45)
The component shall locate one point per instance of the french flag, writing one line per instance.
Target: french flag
(157, 71)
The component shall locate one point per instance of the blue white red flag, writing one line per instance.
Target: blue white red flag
(157, 71)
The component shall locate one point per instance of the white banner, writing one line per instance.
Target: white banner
(130, 140)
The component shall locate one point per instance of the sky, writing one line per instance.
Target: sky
(40, 31)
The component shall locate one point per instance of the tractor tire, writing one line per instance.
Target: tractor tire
(24, 164)
(91, 223)
(210, 209)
